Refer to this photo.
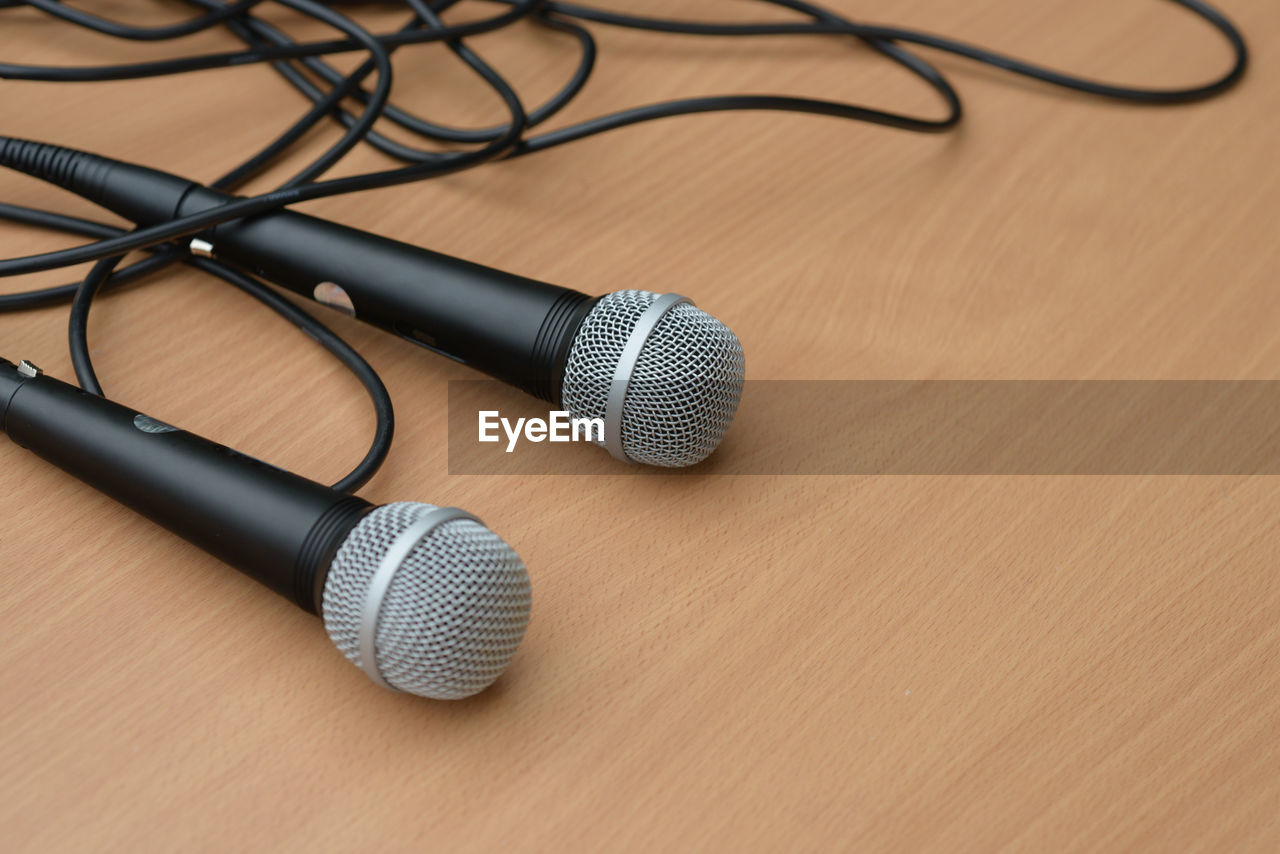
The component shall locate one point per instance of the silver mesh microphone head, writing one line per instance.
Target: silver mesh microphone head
(665, 376)
(427, 600)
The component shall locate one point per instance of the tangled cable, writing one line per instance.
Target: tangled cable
(356, 105)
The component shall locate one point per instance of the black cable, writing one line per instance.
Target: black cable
(421, 127)
(828, 22)
(384, 412)
(207, 62)
(126, 31)
(510, 143)
(381, 60)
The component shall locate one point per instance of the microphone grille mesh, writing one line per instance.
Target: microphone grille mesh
(454, 613)
(685, 387)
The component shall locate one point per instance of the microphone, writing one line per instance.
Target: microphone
(423, 599)
(664, 376)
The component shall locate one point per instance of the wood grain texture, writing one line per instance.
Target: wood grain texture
(719, 663)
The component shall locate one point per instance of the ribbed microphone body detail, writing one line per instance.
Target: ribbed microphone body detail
(555, 338)
(321, 544)
(145, 196)
(77, 171)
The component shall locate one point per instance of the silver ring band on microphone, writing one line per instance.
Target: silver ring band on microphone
(645, 325)
(391, 561)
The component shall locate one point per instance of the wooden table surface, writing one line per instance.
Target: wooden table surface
(714, 663)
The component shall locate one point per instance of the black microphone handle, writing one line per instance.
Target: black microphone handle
(516, 329)
(274, 526)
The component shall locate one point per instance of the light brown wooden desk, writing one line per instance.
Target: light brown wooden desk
(714, 663)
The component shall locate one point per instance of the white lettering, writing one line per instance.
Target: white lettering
(488, 424)
(560, 427)
(584, 427)
(512, 435)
